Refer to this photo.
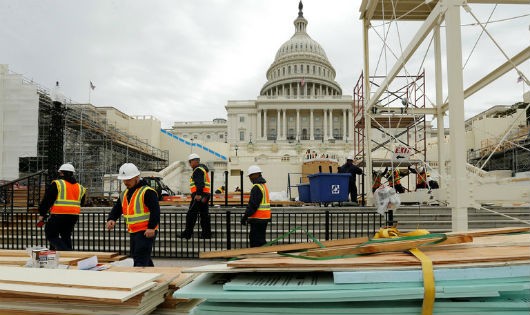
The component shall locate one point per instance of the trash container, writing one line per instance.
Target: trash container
(304, 194)
(328, 187)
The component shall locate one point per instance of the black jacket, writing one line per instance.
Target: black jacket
(255, 197)
(352, 169)
(150, 200)
(198, 178)
(50, 195)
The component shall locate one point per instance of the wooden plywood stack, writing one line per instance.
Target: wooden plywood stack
(63, 291)
(15, 257)
(477, 272)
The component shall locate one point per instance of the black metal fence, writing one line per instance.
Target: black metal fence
(18, 230)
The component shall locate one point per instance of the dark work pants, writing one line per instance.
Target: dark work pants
(59, 230)
(258, 229)
(353, 191)
(141, 248)
(201, 210)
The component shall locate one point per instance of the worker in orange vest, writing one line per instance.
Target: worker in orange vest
(258, 212)
(421, 177)
(377, 178)
(139, 206)
(394, 179)
(63, 198)
(200, 189)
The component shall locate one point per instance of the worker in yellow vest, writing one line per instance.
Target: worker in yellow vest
(139, 206)
(63, 198)
(258, 212)
(200, 189)
(421, 177)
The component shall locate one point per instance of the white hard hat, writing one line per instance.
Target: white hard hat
(67, 167)
(350, 157)
(193, 156)
(128, 171)
(253, 169)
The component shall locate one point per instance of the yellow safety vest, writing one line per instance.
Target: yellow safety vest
(135, 212)
(68, 197)
(264, 209)
(207, 187)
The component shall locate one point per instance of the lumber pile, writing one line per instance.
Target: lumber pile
(15, 257)
(118, 290)
(477, 272)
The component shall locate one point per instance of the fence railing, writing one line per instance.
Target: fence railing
(18, 230)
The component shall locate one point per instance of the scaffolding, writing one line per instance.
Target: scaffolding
(395, 120)
(80, 134)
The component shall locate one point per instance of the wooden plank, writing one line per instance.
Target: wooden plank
(280, 248)
(21, 261)
(438, 257)
(74, 293)
(399, 245)
(75, 278)
(492, 231)
(78, 254)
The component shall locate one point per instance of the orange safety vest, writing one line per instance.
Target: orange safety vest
(421, 179)
(207, 187)
(377, 182)
(396, 179)
(135, 212)
(264, 209)
(68, 197)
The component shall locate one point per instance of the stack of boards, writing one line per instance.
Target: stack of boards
(15, 257)
(488, 275)
(63, 291)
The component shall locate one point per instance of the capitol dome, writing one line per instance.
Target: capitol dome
(301, 67)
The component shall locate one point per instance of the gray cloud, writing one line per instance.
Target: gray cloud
(182, 60)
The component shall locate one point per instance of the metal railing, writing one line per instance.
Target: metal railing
(20, 232)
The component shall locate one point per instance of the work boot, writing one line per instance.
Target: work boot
(205, 236)
(185, 235)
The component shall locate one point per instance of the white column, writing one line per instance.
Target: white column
(331, 123)
(325, 127)
(265, 124)
(439, 104)
(344, 131)
(297, 124)
(367, 120)
(311, 126)
(278, 134)
(459, 189)
(284, 134)
(259, 134)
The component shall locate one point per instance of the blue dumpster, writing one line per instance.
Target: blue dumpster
(304, 194)
(328, 187)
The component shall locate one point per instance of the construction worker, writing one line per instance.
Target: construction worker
(421, 177)
(63, 198)
(200, 194)
(394, 179)
(139, 205)
(220, 190)
(354, 170)
(377, 178)
(258, 212)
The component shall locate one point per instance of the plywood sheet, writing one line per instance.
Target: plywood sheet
(74, 293)
(454, 256)
(75, 278)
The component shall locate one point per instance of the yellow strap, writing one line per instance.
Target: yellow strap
(428, 281)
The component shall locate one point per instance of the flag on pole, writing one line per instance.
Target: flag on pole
(92, 86)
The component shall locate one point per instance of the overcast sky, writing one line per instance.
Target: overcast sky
(182, 60)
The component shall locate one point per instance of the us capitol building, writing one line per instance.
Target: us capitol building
(300, 114)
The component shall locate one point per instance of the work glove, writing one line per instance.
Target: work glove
(40, 223)
(244, 220)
